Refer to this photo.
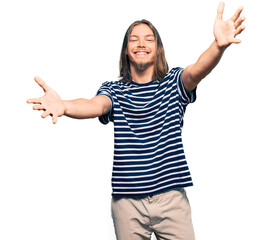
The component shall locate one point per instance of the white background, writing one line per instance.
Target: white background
(55, 179)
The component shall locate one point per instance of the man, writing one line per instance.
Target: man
(147, 106)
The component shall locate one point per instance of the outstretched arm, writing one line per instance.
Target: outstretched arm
(52, 104)
(224, 33)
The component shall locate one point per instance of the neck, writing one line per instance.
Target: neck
(142, 77)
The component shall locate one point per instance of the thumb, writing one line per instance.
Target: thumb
(220, 10)
(41, 83)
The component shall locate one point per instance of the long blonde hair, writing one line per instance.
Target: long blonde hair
(161, 66)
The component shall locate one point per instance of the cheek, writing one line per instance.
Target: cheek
(153, 48)
(129, 49)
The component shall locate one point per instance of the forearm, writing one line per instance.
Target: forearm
(83, 108)
(206, 62)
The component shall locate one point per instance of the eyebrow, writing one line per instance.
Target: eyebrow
(148, 35)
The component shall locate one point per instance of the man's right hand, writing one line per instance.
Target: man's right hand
(51, 102)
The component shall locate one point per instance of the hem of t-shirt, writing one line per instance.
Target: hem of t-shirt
(190, 184)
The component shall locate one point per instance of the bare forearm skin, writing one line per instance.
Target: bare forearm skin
(207, 61)
(87, 108)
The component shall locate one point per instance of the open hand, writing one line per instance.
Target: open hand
(51, 102)
(226, 31)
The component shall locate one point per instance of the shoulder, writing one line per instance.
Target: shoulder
(174, 74)
(176, 70)
(113, 87)
(108, 83)
(116, 83)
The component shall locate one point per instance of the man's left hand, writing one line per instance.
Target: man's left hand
(226, 31)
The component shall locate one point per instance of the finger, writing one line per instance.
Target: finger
(239, 30)
(235, 40)
(41, 83)
(45, 114)
(38, 107)
(239, 22)
(220, 10)
(237, 14)
(55, 118)
(34, 100)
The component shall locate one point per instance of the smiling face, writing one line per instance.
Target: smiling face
(151, 54)
(141, 48)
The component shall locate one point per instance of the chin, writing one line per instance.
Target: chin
(141, 66)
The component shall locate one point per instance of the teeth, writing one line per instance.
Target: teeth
(141, 53)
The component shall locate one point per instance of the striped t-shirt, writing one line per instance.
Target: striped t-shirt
(148, 119)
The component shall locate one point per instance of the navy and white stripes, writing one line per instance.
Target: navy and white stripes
(148, 150)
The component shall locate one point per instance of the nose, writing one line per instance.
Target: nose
(141, 43)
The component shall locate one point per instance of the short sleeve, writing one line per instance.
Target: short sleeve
(106, 90)
(185, 97)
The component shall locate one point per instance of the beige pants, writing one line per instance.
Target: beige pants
(167, 214)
